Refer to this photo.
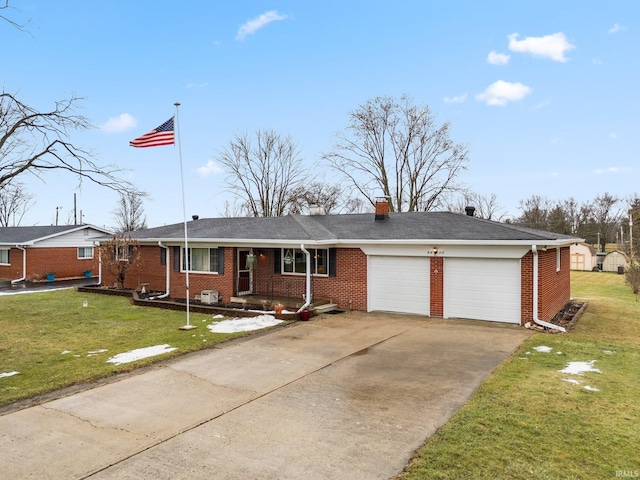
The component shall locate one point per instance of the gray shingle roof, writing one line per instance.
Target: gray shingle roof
(327, 228)
(26, 235)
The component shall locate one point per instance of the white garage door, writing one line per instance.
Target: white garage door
(398, 284)
(482, 288)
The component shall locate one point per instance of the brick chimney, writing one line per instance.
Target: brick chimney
(382, 208)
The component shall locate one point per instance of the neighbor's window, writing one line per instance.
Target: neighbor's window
(201, 260)
(4, 255)
(294, 260)
(85, 252)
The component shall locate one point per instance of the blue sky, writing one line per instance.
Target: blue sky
(544, 92)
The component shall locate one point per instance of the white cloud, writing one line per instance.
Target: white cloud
(550, 46)
(210, 168)
(197, 85)
(122, 122)
(542, 104)
(456, 99)
(614, 170)
(597, 61)
(613, 136)
(617, 28)
(500, 93)
(252, 26)
(495, 58)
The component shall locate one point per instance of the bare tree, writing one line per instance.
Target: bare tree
(396, 149)
(36, 142)
(14, 203)
(118, 255)
(486, 206)
(11, 22)
(535, 212)
(129, 212)
(264, 173)
(332, 198)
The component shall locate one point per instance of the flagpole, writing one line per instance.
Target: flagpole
(188, 326)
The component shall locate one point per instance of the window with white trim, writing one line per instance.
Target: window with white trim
(294, 261)
(4, 256)
(85, 252)
(557, 259)
(201, 260)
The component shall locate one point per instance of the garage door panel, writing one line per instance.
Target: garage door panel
(482, 288)
(398, 284)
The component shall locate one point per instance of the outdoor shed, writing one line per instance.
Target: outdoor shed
(583, 256)
(439, 264)
(614, 260)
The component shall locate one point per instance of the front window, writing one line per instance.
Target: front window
(85, 252)
(201, 260)
(294, 260)
(4, 256)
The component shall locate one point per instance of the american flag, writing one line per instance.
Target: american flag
(163, 135)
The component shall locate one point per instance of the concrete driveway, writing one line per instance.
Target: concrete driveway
(344, 396)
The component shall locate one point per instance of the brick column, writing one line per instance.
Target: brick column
(436, 283)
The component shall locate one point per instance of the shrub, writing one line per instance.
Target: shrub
(632, 277)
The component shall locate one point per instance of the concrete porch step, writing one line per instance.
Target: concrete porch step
(327, 307)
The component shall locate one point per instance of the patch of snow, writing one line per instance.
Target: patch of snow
(244, 324)
(9, 374)
(578, 368)
(571, 380)
(542, 349)
(218, 316)
(64, 352)
(591, 389)
(559, 353)
(140, 353)
(94, 352)
(608, 352)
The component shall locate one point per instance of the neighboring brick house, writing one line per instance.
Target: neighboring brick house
(439, 264)
(39, 253)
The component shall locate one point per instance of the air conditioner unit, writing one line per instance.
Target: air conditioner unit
(209, 296)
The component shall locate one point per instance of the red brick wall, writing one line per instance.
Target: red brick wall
(526, 288)
(436, 284)
(348, 289)
(151, 271)
(63, 261)
(554, 287)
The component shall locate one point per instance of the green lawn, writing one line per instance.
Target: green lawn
(527, 422)
(36, 328)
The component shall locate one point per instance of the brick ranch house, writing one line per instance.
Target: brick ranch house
(439, 264)
(32, 253)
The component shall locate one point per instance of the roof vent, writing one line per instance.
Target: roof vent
(195, 217)
(470, 211)
(382, 208)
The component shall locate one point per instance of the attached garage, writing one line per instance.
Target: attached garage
(482, 289)
(398, 284)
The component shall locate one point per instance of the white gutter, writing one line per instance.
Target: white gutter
(308, 286)
(168, 262)
(535, 295)
(24, 265)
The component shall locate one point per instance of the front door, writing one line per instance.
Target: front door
(245, 275)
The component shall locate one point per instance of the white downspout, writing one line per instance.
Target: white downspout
(535, 294)
(166, 293)
(24, 265)
(308, 285)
